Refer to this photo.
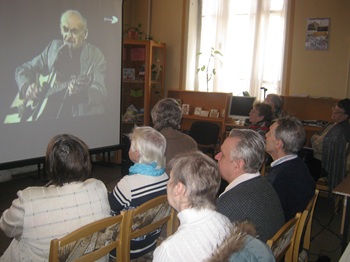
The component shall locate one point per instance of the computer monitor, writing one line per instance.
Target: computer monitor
(240, 107)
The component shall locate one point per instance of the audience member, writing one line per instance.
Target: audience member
(40, 214)
(241, 245)
(289, 175)
(146, 180)
(248, 196)
(194, 181)
(166, 117)
(276, 102)
(329, 147)
(260, 118)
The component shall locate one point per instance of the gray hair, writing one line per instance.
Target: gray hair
(166, 113)
(75, 13)
(250, 148)
(291, 132)
(150, 144)
(276, 101)
(200, 175)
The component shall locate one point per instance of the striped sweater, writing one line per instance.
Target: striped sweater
(132, 191)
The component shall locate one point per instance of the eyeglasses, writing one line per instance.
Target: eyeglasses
(335, 111)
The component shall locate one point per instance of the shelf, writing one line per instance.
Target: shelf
(139, 90)
(203, 118)
(206, 101)
(134, 81)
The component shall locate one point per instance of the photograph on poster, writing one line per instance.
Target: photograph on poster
(317, 34)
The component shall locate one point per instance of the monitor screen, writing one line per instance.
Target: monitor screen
(240, 107)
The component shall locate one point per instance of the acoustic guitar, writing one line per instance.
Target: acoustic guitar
(31, 110)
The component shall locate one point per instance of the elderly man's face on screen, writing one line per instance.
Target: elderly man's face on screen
(73, 31)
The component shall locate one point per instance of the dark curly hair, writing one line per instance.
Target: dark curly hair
(265, 110)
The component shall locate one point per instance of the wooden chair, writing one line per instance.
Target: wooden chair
(150, 216)
(90, 242)
(282, 243)
(303, 234)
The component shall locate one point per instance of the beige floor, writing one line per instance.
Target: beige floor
(325, 232)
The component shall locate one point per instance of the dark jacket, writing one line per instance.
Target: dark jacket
(256, 201)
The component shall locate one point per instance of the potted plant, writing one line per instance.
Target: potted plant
(133, 32)
(209, 68)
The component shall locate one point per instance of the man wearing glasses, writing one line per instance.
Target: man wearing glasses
(66, 79)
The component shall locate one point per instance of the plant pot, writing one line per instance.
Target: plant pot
(133, 35)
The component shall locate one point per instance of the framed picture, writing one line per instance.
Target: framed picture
(214, 113)
(204, 113)
(185, 109)
(317, 34)
(223, 113)
(197, 111)
(128, 73)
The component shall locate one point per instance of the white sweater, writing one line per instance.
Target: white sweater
(197, 237)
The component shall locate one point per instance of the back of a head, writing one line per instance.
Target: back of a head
(250, 148)
(67, 159)
(200, 174)
(275, 100)
(150, 144)
(166, 113)
(292, 133)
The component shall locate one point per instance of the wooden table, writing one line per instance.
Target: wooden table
(343, 189)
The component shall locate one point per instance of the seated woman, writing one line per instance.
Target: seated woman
(329, 147)
(260, 118)
(40, 214)
(146, 180)
(204, 234)
(194, 181)
(166, 117)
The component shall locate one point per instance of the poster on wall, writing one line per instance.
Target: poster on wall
(317, 32)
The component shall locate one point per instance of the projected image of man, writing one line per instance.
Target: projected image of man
(66, 79)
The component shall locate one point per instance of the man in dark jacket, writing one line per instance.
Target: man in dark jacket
(289, 175)
(248, 195)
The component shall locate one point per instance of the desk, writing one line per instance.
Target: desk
(343, 189)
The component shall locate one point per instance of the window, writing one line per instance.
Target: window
(250, 34)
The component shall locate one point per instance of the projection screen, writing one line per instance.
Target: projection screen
(60, 73)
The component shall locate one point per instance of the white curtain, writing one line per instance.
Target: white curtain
(250, 36)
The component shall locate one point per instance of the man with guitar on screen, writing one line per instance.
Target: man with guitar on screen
(66, 79)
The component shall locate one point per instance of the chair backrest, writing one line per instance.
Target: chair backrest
(303, 234)
(282, 242)
(146, 218)
(206, 135)
(90, 242)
